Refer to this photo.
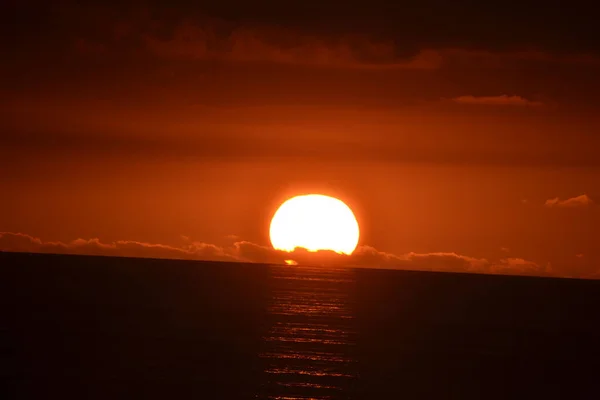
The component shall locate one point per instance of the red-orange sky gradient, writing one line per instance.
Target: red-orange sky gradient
(155, 131)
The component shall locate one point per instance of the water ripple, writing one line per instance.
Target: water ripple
(307, 351)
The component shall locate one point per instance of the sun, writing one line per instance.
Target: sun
(314, 222)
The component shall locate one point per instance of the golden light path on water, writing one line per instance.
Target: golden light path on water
(308, 352)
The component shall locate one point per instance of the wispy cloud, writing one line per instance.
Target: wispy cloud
(578, 201)
(501, 100)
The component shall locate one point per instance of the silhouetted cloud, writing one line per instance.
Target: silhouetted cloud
(578, 201)
(124, 248)
(369, 256)
(476, 27)
(199, 33)
(243, 251)
(502, 100)
(313, 34)
(250, 252)
(193, 40)
(502, 59)
(519, 266)
(206, 38)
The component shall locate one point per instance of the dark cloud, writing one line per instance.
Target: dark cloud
(204, 42)
(313, 32)
(243, 251)
(578, 201)
(210, 39)
(115, 75)
(422, 24)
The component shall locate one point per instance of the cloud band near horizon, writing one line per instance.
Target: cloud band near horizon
(244, 251)
(578, 201)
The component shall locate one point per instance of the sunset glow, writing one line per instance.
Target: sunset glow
(469, 139)
(314, 222)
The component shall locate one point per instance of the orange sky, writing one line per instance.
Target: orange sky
(146, 124)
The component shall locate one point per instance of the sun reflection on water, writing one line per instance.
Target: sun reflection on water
(308, 351)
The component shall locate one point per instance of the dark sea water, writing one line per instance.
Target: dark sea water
(103, 328)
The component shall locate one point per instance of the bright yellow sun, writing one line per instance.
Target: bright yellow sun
(314, 222)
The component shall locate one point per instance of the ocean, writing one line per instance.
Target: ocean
(82, 327)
